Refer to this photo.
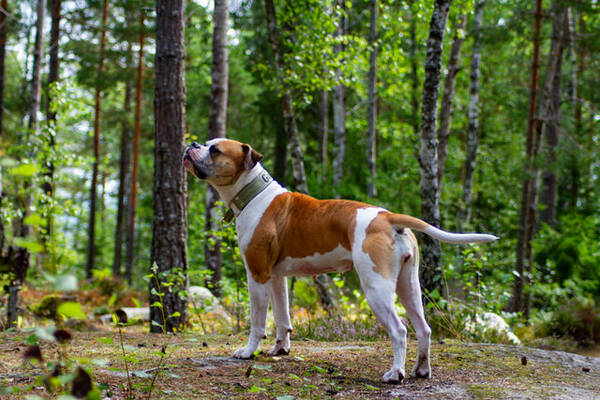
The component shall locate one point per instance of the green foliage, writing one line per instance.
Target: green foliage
(577, 318)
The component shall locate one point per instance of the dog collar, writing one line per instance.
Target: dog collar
(248, 192)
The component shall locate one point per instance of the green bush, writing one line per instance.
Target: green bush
(578, 319)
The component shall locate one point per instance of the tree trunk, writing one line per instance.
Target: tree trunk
(53, 76)
(448, 98)
(551, 122)
(91, 250)
(414, 75)
(137, 133)
(3, 26)
(464, 215)
(124, 178)
(339, 109)
(281, 144)
(19, 258)
(289, 114)
(217, 128)
(169, 230)
(431, 273)
(372, 107)
(518, 302)
(36, 80)
(323, 130)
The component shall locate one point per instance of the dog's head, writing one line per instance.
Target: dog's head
(220, 161)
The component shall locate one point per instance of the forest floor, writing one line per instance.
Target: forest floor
(201, 367)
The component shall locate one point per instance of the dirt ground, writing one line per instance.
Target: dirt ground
(200, 367)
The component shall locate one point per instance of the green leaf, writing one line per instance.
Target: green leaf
(371, 387)
(106, 340)
(157, 304)
(31, 245)
(156, 323)
(175, 314)
(285, 397)
(24, 170)
(71, 309)
(264, 367)
(34, 220)
(256, 389)
(294, 376)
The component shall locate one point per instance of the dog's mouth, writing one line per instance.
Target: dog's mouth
(190, 164)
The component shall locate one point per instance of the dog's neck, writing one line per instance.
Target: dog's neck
(228, 193)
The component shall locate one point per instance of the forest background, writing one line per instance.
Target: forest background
(511, 111)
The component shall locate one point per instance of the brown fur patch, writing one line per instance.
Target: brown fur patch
(296, 225)
(379, 245)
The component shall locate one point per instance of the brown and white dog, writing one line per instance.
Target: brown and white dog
(281, 233)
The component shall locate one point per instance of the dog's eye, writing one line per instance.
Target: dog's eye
(214, 150)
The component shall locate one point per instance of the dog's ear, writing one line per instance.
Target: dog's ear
(251, 156)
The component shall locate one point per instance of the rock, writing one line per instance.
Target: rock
(202, 299)
(127, 314)
(492, 322)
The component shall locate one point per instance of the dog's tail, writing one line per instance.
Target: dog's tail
(418, 225)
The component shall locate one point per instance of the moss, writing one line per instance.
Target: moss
(47, 306)
(483, 391)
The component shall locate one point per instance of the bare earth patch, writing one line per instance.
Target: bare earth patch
(200, 367)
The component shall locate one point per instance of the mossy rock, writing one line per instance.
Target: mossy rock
(47, 306)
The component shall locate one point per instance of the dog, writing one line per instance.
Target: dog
(282, 233)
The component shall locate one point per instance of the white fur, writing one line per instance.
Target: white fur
(332, 261)
(458, 238)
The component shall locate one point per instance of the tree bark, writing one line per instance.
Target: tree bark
(3, 29)
(372, 106)
(137, 133)
(91, 251)
(289, 114)
(217, 128)
(323, 130)
(169, 227)
(414, 75)
(53, 76)
(124, 178)
(518, 301)
(448, 97)
(464, 215)
(431, 273)
(36, 80)
(339, 109)
(551, 122)
(19, 258)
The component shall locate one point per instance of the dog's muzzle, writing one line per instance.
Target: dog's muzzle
(191, 160)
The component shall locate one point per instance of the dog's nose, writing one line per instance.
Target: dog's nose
(195, 145)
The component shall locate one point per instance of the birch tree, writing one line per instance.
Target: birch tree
(372, 102)
(217, 128)
(448, 98)
(430, 211)
(464, 215)
(289, 114)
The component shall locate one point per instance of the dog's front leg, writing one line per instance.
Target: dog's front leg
(259, 302)
(281, 312)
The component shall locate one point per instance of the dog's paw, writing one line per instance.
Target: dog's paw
(281, 348)
(244, 353)
(394, 375)
(421, 372)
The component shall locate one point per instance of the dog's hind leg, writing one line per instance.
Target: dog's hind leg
(380, 295)
(408, 290)
(281, 313)
(259, 303)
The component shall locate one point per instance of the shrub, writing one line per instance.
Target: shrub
(578, 319)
